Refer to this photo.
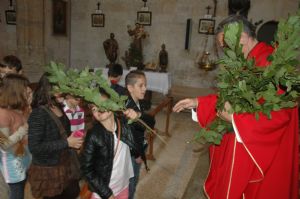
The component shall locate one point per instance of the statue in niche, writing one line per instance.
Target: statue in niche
(111, 47)
(163, 59)
(136, 49)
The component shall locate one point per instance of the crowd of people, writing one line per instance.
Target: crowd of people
(44, 139)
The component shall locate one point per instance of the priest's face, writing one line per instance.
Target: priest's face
(245, 41)
(220, 39)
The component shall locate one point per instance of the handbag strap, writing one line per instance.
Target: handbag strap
(57, 121)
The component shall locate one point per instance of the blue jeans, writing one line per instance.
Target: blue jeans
(134, 180)
(16, 190)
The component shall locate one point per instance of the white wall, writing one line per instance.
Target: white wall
(8, 43)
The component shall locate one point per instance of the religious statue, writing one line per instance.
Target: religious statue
(138, 33)
(163, 59)
(136, 49)
(111, 49)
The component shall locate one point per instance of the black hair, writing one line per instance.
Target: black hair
(248, 27)
(11, 62)
(115, 70)
(42, 94)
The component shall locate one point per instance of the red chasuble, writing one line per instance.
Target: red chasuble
(265, 164)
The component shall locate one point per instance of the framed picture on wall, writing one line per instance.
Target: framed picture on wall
(206, 26)
(59, 17)
(98, 20)
(144, 18)
(10, 16)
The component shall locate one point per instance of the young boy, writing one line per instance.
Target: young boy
(106, 162)
(135, 82)
(75, 114)
(114, 74)
(10, 64)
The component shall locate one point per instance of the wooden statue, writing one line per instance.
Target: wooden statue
(163, 59)
(111, 47)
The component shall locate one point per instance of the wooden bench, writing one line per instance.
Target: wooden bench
(167, 102)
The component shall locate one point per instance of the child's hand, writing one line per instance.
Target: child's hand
(131, 114)
(74, 142)
(139, 160)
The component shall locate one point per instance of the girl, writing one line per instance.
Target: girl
(54, 170)
(15, 158)
(106, 161)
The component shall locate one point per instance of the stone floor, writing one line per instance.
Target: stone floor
(178, 172)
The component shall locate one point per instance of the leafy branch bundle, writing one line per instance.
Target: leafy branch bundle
(86, 85)
(244, 85)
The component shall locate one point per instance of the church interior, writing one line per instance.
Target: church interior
(177, 51)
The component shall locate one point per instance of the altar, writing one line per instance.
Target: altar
(158, 82)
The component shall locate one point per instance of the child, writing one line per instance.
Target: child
(136, 85)
(54, 172)
(14, 154)
(75, 114)
(106, 163)
(10, 64)
(114, 74)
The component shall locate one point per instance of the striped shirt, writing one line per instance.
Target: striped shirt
(76, 117)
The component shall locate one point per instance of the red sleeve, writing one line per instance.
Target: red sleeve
(264, 136)
(206, 110)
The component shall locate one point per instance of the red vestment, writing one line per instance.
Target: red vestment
(265, 164)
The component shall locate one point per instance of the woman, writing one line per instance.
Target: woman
(15, 157)
(54, 170)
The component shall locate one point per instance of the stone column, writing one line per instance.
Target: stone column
(30, 37)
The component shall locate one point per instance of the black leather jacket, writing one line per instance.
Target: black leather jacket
(138, 130)
(97, 156)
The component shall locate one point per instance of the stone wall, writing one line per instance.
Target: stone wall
(82, 46)
(8, 41)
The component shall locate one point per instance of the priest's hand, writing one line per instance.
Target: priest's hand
(188, 103)
(225, 115)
